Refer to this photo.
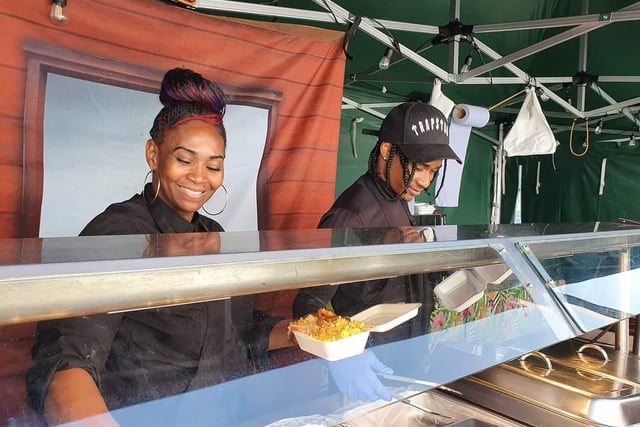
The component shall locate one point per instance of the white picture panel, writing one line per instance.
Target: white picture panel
(93, 154)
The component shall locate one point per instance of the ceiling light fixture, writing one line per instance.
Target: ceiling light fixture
(385, 60)
(57, 14)
(598, 129)
(541, 93)
(632, 140)
(466, 66)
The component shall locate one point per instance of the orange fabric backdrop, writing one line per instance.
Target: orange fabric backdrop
(303, 64)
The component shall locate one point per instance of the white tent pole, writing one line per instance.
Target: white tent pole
(630, 15)
(616, 106)
(582, 60)
(626, 110)
(499, 80)
(535, 48)
(454, 48)
(309, 15)
(622, 327)
(526, 78)
(497, 178)
(564, 21)
(363, 108)
(367, 26)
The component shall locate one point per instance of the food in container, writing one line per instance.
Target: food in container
(330, 336)
(333, 337)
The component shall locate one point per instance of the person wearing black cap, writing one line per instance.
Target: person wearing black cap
(412, 145)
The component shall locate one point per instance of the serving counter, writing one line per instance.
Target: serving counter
(557, 282)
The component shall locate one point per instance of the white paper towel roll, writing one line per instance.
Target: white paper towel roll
(470, 115)
(464, 117)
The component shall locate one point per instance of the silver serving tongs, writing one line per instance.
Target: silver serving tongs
(408, 401)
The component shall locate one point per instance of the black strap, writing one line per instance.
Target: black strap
(353, 27)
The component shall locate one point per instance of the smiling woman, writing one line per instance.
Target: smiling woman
(190, 163)
(81, 365)
(187, 149)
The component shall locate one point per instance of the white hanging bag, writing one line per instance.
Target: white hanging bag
(530, 133)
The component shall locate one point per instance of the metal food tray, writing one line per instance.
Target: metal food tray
(569, 384)
(433, 408)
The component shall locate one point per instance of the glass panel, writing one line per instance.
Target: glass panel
(178, 360)
(595, 278)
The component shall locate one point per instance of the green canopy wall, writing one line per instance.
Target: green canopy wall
(581, 53)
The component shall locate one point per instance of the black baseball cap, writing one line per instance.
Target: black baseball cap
(420, 130)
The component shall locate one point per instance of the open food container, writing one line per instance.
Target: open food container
(379, 318)
(333, 350)
(464, 287)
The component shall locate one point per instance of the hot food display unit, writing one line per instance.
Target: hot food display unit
(509, 331)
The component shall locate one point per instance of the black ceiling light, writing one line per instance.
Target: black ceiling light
(57, 14)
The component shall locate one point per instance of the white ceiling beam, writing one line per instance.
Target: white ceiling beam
(264, 10)
(554, 114)
(384, 38)
(627, 112)
(370, 26)
(362, 107)
(620, 106)
(454, 48)
(303, 14)
(515, 80)
(565, 21)
(581, 127)
(486, 137)
(630, 15)
(353, 105)
(499, 80)
(407, 26)
(310, 15)
(582, 60)
(561, 115)
(526, 79)
(534, 48)
(619, 79)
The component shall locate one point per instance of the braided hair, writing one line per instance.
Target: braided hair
(407, 174)
(186, 95)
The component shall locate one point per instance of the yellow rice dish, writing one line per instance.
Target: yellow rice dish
(325, 325)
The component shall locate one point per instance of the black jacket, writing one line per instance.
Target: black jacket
(146, 354)
(370, 203)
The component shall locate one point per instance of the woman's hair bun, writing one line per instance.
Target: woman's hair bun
(182, 85)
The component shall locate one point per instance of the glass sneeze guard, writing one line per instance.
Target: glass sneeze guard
(595, 278)
(131, 276)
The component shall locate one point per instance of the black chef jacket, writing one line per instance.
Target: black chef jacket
(147, 354)
(370, 203)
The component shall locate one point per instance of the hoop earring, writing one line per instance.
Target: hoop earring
(144, 183)
(226, 200)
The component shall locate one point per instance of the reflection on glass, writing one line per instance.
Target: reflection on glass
(505, 318)
(597, 287)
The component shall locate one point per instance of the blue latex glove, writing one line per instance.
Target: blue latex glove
(357, 377)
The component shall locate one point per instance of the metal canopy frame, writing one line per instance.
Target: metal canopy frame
(581, 26)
